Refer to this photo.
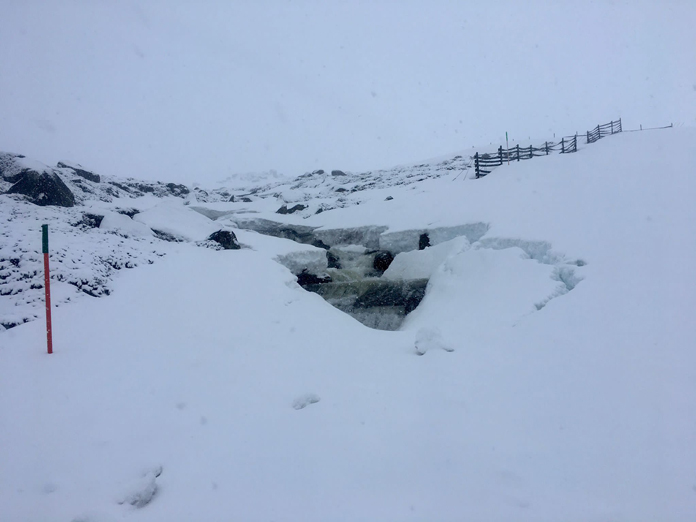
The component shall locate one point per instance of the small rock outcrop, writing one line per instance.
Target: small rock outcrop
(43, 189)
(226, 239)
(337, 173)
(178, 190)
(77, 169)
(285, 210)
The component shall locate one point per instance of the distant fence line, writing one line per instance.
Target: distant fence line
(484, 163)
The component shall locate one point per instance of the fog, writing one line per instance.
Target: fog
(196, 91)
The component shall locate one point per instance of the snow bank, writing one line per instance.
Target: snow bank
(178, 220)
(124, 225)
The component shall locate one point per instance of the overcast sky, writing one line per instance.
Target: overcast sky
(198, 90)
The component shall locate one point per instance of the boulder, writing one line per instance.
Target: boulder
(10, 169)
(305, 278)
(382, 261)
(423, 241)
(226, 239)
(43, 189)
(332, 260)
(337, 173)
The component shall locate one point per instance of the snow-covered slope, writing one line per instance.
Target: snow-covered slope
(548, 373)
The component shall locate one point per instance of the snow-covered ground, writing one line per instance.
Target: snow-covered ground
(548, 374)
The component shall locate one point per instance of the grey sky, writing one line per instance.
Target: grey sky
(195, 91)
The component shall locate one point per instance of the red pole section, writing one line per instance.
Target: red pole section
(47, 287)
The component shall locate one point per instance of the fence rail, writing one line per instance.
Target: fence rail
(484, 163)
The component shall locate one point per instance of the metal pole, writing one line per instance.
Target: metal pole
(47, 287)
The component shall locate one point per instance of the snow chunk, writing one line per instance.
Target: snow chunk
(407, 240)
(421, 264)
(305, 400)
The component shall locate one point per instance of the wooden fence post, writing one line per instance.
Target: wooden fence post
(546, 146)
(500, 154)
(612, 126)
(518, 152)
(476, 165)
(562, 145)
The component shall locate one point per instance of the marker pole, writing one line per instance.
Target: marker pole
(47, 287)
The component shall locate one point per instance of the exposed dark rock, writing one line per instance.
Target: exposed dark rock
(91, 176)
(121, 186)
(178, 190)
(388, 198)
(231, 199)
(130, 212)
(304, 278)
(91, 220)
(319, 244)
(148, 189)
(320, 171)
(332, 259)
(43, 189)
(382, 261)
(226, 239)
(423, 241)
(341, 189)
(285, 210)
(337, 173)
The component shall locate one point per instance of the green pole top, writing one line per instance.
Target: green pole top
(44, 238)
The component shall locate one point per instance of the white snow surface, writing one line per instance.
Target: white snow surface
(558, 379)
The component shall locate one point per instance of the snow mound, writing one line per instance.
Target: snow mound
(140, 492)
(430, 338)
(121, 224)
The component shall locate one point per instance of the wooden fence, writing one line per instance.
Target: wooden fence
(484, 163)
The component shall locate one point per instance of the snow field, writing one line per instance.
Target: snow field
(583, 408)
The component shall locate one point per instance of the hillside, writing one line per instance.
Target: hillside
(546, 372)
